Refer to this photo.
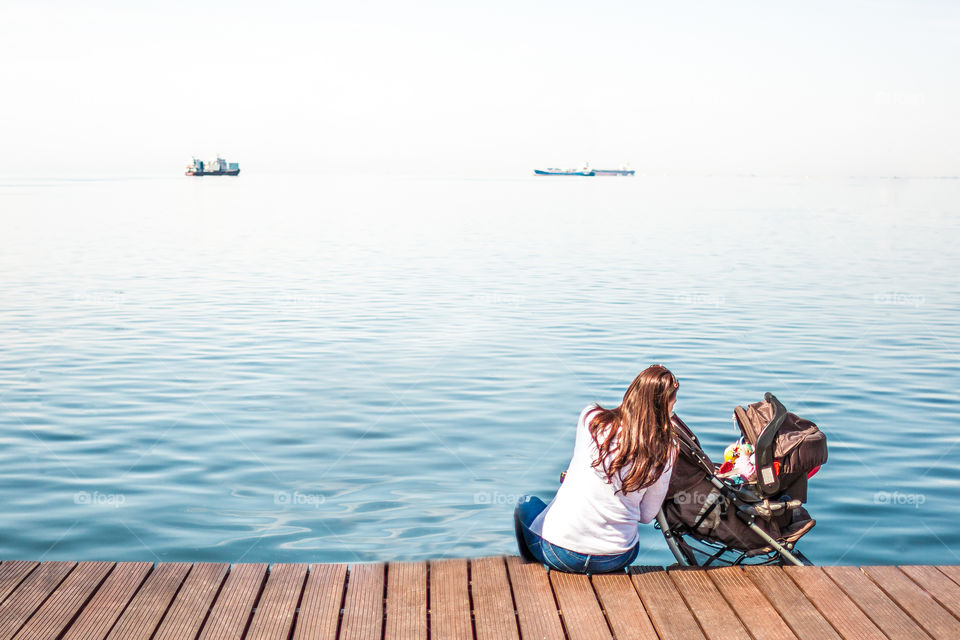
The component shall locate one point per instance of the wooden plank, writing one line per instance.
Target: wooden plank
(363, 604)
(65, 602)
(234, 605)
(669, 613)
(754, 610)
(320, 606)
(835, 606)
(536, 609)
(918, 604)
(951, 571)
(937, 584)
(494, 615)
(716, 618)
(278, 604)
(30, 594)
(449, 600)
(406, 601)
(794, 607)
(99, 615)
(582, 617)
(141, 617)
(872, 601)
(12, 573)
(623, 607)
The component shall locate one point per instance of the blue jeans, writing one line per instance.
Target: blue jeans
(560, 558)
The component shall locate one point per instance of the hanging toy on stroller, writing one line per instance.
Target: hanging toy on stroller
(750, 509)
(738, 463)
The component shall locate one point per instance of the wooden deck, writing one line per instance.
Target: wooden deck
(483, 598)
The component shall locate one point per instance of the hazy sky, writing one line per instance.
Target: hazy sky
(838, 88)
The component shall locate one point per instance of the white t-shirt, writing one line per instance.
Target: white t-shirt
(586, 515)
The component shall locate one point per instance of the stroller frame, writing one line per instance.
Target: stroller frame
(719, 553)
(747, 505)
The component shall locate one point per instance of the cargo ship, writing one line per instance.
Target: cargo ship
(218, 167)
(586, 171)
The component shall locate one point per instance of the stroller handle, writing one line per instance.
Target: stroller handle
(766, 475)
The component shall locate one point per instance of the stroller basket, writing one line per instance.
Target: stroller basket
(707, 519)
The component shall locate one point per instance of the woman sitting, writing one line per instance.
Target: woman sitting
(617, 478)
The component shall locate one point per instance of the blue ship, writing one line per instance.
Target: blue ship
(586, 171)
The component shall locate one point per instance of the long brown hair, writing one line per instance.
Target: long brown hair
(640, 432)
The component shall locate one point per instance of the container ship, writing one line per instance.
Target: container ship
(586, 171)
(218, 167)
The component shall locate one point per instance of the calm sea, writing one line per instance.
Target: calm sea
(328, 368)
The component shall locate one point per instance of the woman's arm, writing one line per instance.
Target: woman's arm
(653, 497)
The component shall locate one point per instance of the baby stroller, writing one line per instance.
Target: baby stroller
(709, 520)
